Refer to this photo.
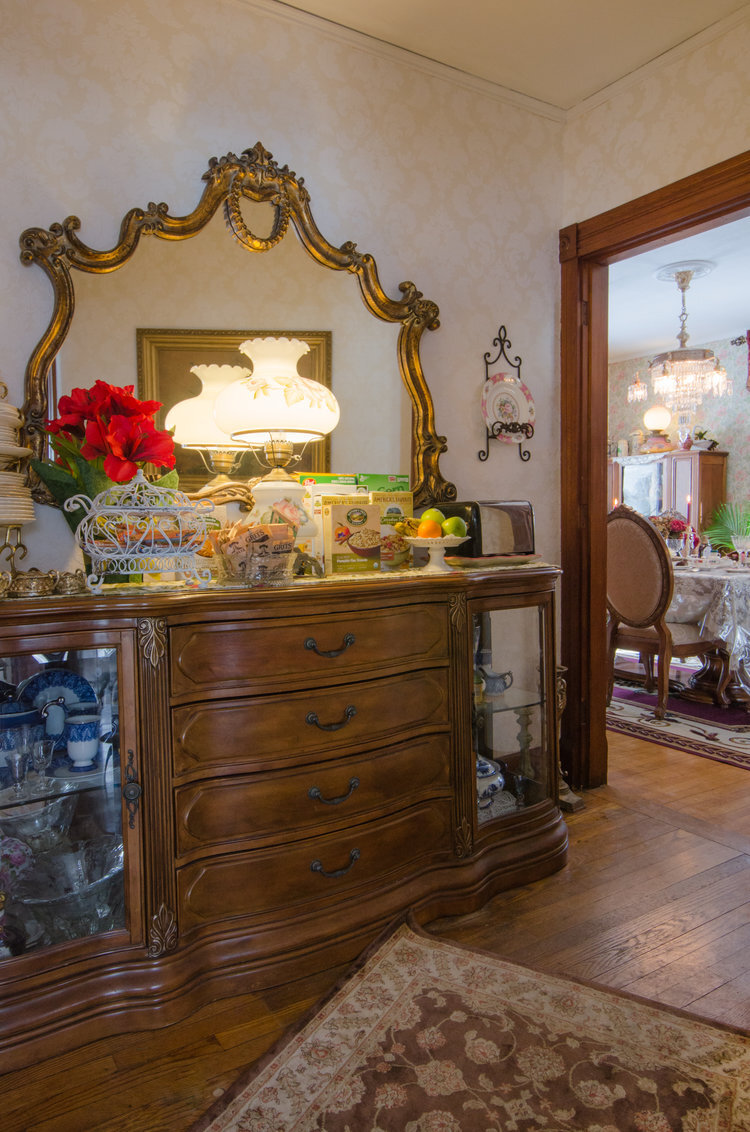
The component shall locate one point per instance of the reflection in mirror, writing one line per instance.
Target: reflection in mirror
(210, 282)
(197, 276)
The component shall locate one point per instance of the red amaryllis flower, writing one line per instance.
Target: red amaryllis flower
(126, 443)
(101, 402)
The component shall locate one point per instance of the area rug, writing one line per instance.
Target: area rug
(699, 729)
(428, 1036)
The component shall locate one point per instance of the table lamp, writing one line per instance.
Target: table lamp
(272, 410)
(194, 426)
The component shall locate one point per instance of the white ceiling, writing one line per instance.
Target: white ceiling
(562, 52)
(557, 51)
(644, 312)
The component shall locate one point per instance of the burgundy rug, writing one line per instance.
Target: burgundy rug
(698, 729)
(429, 1036)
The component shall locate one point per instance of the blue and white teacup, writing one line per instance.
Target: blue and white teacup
(82, 732)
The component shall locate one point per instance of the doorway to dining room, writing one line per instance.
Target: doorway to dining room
(706, 199)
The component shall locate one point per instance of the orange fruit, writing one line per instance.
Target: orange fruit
(429, 528)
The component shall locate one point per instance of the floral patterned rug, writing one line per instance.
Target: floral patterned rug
(699, 729)
(428, 1036)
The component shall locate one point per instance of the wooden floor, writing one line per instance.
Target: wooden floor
(655, 900)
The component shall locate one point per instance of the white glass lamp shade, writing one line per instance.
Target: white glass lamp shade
(193, 419)
(275, 402)
(657, 418)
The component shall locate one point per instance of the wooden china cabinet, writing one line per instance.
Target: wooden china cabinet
(292, 769)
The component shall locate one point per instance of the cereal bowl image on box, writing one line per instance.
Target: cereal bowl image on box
(351, 536)
(365, 542)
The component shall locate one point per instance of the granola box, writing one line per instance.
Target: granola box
(351, 534)
(331, 487)
(394, 506)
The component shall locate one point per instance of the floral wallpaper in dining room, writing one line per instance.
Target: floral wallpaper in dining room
(726, 419)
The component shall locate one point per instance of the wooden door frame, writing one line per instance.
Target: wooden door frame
(695, 203)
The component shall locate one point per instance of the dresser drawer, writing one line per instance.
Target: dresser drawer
(226, 656)
(290, 804)
(286, 878)
(280, 730)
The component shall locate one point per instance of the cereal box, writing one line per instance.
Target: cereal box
(313, 504)
(394, 506)
(351, 534)
(381, 482)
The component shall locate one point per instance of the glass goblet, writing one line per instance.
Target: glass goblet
(41, 757)
(17, 765)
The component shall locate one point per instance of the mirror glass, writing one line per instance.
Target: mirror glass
(210, 282)
(274, 273)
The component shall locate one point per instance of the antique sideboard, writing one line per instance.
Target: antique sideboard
(284, 772)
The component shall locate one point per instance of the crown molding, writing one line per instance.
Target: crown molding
(287, 13)
(681, 51)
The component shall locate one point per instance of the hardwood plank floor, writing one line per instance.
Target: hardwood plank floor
(655, 900)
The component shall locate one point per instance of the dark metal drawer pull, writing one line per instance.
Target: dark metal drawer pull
(317, 866)
(312, 717)
(315, 794)
(311, 643)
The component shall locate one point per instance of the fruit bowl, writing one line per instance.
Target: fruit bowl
(436, 548)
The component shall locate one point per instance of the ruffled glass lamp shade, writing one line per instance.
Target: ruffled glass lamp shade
(194, 423)
(275, 404)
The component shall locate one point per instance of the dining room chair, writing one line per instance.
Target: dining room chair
(640, 582)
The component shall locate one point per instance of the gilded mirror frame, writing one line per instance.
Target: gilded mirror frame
(255, 176)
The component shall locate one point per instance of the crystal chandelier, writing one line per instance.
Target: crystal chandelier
(682, 378)
(638, 391)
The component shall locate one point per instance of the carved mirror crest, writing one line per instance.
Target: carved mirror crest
(230, 181)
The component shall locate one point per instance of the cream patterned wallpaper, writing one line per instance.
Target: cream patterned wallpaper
(680, 114)
(727, 419)
(109, 106)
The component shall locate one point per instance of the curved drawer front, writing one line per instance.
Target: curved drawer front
(216, 813)
(309, 872)
(275, 730)
(224, 656)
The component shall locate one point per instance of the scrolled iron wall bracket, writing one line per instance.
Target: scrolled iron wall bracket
(522, 429)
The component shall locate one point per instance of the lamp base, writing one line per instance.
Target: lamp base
(276, 487)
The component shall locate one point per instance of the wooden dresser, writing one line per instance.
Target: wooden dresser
(297, 767)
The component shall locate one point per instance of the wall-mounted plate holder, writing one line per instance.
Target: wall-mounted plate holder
(507, 405)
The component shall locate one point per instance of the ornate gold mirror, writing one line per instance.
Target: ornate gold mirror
(230, 182)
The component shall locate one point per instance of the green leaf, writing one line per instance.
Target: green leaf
(169, 479)
(729, 520)
(62, 486)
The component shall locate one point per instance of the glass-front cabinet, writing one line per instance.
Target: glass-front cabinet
(64, 849)
(513, 709)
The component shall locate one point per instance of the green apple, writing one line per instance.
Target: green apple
(434, 514)
(454, 525)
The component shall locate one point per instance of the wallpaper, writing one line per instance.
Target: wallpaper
(726, 419)
(110, 106)
(682, 113)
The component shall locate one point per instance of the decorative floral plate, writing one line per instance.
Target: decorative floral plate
(506, 400)
(50, 685)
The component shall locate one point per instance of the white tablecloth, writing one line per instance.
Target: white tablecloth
(719, 601)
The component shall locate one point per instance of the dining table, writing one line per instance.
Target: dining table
(716, 596)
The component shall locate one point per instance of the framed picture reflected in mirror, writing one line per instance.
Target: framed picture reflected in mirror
(165, 360)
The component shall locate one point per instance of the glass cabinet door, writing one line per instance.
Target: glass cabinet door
(511, 715)
(61, 836)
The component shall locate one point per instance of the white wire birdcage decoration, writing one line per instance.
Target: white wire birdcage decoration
(140, 527)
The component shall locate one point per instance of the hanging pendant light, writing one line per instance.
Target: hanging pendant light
(638, 391)
(682, 378)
